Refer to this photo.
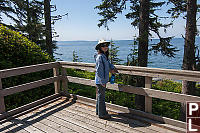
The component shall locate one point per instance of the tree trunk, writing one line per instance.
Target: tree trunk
(29, 20)
(47, 14)
(189, 51)
(142, 48)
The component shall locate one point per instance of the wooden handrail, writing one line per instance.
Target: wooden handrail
(171, 96)
(141, 71)
(27, 69)
(28, 86)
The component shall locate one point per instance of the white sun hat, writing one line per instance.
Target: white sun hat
(102, 41)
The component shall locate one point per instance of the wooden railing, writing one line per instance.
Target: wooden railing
(19, 88)
(149, 73)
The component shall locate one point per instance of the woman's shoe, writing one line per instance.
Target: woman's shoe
(106, 117)
(106, 113)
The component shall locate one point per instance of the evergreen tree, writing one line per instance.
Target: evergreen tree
(28, 16)
(5, 8)
(189, 9)
(48, 31)
(76, 57)
(132, 58)
(113, 53)
(28, 19)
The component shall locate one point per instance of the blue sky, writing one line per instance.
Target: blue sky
(81, 23)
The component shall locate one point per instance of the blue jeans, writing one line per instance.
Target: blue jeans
(100, 105)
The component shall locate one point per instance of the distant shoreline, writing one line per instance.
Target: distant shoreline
(115, 40)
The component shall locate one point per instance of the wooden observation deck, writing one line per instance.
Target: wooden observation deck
(64, 112)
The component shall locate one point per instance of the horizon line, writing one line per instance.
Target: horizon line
(117, 39)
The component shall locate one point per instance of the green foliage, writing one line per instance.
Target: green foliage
(164, 47)
(83, 90)
(178, 8)
(75, 57)
(28, 19)
(16, 51)
(109, 10)
(80, 73)
(26, 97)
(113, 53)
(5, 8)
(163, 107)
(166, 108)
(132, 58)
(120, 98)
(167, 85)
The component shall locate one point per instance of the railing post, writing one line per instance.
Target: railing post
(64, 81)
(96, 92)
(2, 104)
(56, 83)
(148, 100)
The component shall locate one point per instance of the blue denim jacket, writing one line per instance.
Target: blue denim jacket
(103, 66)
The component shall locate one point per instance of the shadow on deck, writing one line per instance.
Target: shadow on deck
(71, 115)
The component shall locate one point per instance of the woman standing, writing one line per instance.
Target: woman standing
(103, 67)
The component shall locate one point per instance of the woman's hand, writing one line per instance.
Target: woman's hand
(114, 71)
(104, 85)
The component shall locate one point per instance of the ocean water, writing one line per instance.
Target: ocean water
(86, 51)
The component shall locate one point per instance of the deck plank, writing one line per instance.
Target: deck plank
(58, 116)
(26, 126)
(137, 122)
(155, 127)
(12, 127)
(97, 125)
(42, 124)
(47, 117)
(91, 127)
(49, 126)
(4, 127)
(125, 124)
(88, 121)
(93, 122)
(131, 123)
(104, 122)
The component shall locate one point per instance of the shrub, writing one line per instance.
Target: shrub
(16, 51)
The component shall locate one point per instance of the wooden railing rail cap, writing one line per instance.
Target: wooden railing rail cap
(139, 69)
(27, 69)
(77, 63)
(157, 70)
